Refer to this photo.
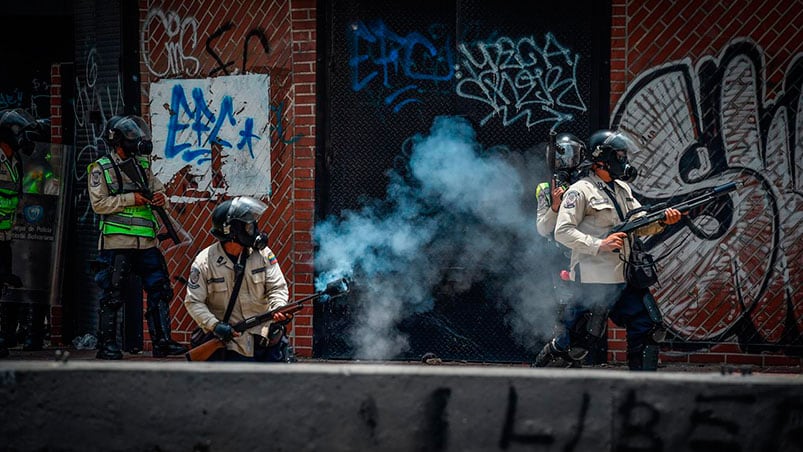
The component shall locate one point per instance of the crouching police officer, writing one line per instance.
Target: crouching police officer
(590, 209)
(217, 300)
(118, 184)
(18, 130)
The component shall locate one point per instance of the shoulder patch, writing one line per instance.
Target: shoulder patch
(195, 275)
(570, 200)
(95, 176)
(272, 258)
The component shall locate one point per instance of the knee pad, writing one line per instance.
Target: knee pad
(120, 272)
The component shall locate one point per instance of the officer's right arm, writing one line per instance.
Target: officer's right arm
(570, 215)
(195, 300)
(546, 217)
(102, 202)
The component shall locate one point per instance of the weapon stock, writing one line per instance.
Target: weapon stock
(706, 197)
(204, 351)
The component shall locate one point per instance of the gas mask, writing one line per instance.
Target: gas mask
(139, 147)
(619, 167)
(246, 234)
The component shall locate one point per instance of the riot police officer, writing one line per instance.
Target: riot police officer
(18, 130)
(568, 153)
(122, 190)
(216, 301)
(590, 209)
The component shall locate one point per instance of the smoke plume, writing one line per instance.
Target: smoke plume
(455, 208)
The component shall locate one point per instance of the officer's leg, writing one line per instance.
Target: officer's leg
(274, 348)
(34, 320)
(8, 310)
(643, 333)
(592, 332)
(112, 280)
(156, 281)
(563, 350)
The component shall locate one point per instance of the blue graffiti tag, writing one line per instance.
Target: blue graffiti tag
(375, 48)
(200, 118)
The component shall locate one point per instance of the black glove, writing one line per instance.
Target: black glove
(223, 331)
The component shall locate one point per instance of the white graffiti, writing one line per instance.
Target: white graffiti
(94, 105)
(733, 264)
(180, 33)
(522, 79)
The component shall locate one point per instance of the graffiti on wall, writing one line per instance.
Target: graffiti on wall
(95, 104)
(514, 79)
(522, 80)
(218, 127)
(225, 67)
(179, 33)
(398, 64)
(702, 126)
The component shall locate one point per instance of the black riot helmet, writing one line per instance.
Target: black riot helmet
(235, 220)
(610, 149)
(19, 130)
(130, 133)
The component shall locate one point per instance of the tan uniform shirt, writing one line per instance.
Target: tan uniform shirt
(211, 283)
(585, 218)
(104, 204)
(5, 175)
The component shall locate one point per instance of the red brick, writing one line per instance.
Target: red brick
(744, 359)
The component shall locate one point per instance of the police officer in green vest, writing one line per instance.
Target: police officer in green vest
(18, 130)
(122, 190)
(569, 152)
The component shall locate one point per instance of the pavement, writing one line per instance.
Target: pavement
(71, 354)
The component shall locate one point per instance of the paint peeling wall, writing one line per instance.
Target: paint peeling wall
(229, 89)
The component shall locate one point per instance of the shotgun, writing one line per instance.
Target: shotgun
(204, 351)
(658, 212)
(131, 169)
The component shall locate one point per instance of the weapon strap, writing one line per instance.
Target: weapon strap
(615, 203)
(239, 274)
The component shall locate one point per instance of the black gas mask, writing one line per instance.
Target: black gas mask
(138, 147)
(236, 220)
(132, 134)
(619, 167)
(19, 130)
(247, 235)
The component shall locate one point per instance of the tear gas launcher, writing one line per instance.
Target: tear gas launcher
(658, 212)
(204, 351)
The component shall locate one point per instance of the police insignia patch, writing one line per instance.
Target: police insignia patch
(195, 274)
(95, 179)
(570, 200)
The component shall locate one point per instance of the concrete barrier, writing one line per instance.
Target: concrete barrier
(178, 406)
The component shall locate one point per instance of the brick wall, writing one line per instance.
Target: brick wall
(226, 38)
(736, 60)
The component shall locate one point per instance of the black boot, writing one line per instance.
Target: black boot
(8, 323)
(159, 328)
(34, 319)
(550, 356)
(108, 348)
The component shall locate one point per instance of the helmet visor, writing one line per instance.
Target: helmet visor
(133, 128)
(623, 143)
(246, 209)
(568, 154)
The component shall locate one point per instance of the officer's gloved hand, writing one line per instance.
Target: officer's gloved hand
(223, 331)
